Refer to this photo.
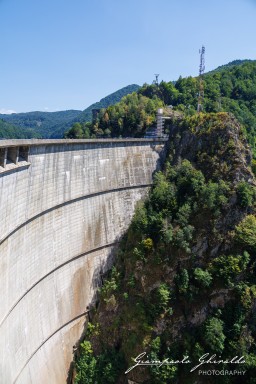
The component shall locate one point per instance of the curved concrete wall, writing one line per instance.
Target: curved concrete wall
(63, 207)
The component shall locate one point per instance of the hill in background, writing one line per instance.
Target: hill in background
(39, 124)
(86, 115)
(229, 88)
(10, 131)
(54, 124)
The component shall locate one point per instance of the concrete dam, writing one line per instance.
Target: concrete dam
(64, 204)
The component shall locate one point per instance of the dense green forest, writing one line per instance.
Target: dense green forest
(54, 124)
(10, 131)
(184, 281)
(230, 88)
(113, 98)
(40, 124)
(128, 118)
(86, 116)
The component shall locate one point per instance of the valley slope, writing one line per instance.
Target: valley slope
(184, 279)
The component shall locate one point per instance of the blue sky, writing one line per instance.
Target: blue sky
(60, 54)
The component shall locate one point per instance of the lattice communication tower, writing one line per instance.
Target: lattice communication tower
(201, 80)
(156, 80)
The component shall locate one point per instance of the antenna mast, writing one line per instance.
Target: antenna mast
(201, 80)
(156, 80)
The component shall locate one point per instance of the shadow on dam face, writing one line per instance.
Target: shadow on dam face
(64, 205)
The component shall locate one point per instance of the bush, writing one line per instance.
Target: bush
(159, 299)
(182, 281)
(183, 236)
(229, 266)
(139, 221)
(101, 370)
(214, 195)
(204, 278)
(247, 294)
(184, 214)
(245, 194)
(253, 165)
(86, 365)
(163, 296)
(163, 195)
(147, 244)
(246, 232)
(214, 336)
(160, 374)
(111, 284)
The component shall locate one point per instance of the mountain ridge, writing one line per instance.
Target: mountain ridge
(86, 114)
(53, 124)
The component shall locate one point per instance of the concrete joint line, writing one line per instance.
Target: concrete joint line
(48, 338)
(54, 270)
(72, 201)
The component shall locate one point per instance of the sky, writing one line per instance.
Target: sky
(63, 54)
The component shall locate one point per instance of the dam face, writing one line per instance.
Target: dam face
(64, 204)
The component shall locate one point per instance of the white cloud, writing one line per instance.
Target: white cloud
(4, 111)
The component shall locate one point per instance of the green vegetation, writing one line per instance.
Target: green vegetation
(104, 369)
(84, 119)
(128, 118)
(245, 194)
(230, 88)
(204, 278)
(112, 99)
(9, 131)
(39, 124)
(214, 336)
(246, 233)
(54, 124)
(184, 282)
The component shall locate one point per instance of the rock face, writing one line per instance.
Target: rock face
(63, 205)
(184, 278)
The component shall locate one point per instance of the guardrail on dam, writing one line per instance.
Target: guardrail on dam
(63, 206)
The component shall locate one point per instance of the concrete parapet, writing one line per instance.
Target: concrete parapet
(64, 205)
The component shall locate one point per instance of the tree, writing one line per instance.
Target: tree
(245, 194)
(75, 132)
(204, 278)
(245, 232)
(214, 336)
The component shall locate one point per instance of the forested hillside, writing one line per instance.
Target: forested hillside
(86, 116)
(128, 118)
(111, 99)
(54, 124)
(40, 124)
(9, 131)
(184, 282)
(230, 88)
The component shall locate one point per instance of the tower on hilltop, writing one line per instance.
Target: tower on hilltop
(156, 79)
(201, 80)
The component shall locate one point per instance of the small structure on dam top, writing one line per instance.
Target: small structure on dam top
(158, 130)
(64, 205)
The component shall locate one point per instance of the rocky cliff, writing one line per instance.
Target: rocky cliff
(184, 282)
